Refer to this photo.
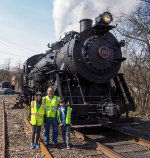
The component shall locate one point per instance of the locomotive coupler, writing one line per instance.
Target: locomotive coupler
(110, 109)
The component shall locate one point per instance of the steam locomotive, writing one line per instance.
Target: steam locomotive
(83, 67)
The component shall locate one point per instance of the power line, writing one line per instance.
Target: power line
(8, 45)
(19, 45)
(2, 52)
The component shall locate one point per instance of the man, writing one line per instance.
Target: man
(51, 102)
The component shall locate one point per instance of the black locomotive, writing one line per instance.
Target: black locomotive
(83, 67)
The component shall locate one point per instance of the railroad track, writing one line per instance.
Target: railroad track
(50, 152)
(16, 140)
(115, 143)
(2, 130)
(45, 152)
(6, 141)
(108, 142)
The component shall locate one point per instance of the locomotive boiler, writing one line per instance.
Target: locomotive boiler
(83, 67)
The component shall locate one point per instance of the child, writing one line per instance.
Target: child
(37, 118)
(64, 118)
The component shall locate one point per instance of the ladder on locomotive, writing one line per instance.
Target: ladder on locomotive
(65, 86)
(80, 89)
(123, 90)
(66, 89)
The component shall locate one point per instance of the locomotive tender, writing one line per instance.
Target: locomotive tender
(83, 67)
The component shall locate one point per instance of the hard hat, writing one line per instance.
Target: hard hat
(39, 93)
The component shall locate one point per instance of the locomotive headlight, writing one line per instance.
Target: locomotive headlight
(107, 17)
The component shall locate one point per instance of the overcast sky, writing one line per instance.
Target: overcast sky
(26, 26)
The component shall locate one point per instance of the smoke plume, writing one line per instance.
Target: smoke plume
(68, 13)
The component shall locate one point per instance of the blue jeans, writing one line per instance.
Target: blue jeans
(65, 129)
(36, 131)
(48, 123)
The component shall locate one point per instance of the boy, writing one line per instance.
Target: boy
(64, 118)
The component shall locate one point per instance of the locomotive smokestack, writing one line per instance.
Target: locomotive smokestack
(85, 24)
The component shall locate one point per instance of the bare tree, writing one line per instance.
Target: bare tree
(17, 76)
(136, 30)
(18, 67)
(5, 72)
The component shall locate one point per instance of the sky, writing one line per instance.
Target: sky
(26, 26)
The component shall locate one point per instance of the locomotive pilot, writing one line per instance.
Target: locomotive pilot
(37, 118)
(51, 103)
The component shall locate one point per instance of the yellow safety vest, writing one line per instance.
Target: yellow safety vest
(68, 115)
(37, 116)
(51, 105)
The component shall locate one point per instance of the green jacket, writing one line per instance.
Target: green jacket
(68, 112)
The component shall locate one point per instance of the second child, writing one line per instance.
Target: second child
(64, 119)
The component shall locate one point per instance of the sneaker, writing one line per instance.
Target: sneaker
(37, 146)
(68, 147)
(55, 145)
(63, 146)
(32, 146)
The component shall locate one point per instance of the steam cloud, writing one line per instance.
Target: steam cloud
(68, 13)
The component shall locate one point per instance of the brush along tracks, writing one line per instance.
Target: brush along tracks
(114, 143)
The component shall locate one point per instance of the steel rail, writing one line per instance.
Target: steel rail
(4, 132)
(99, 147)
(45, 152)
(139, 141)
(107, 151)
